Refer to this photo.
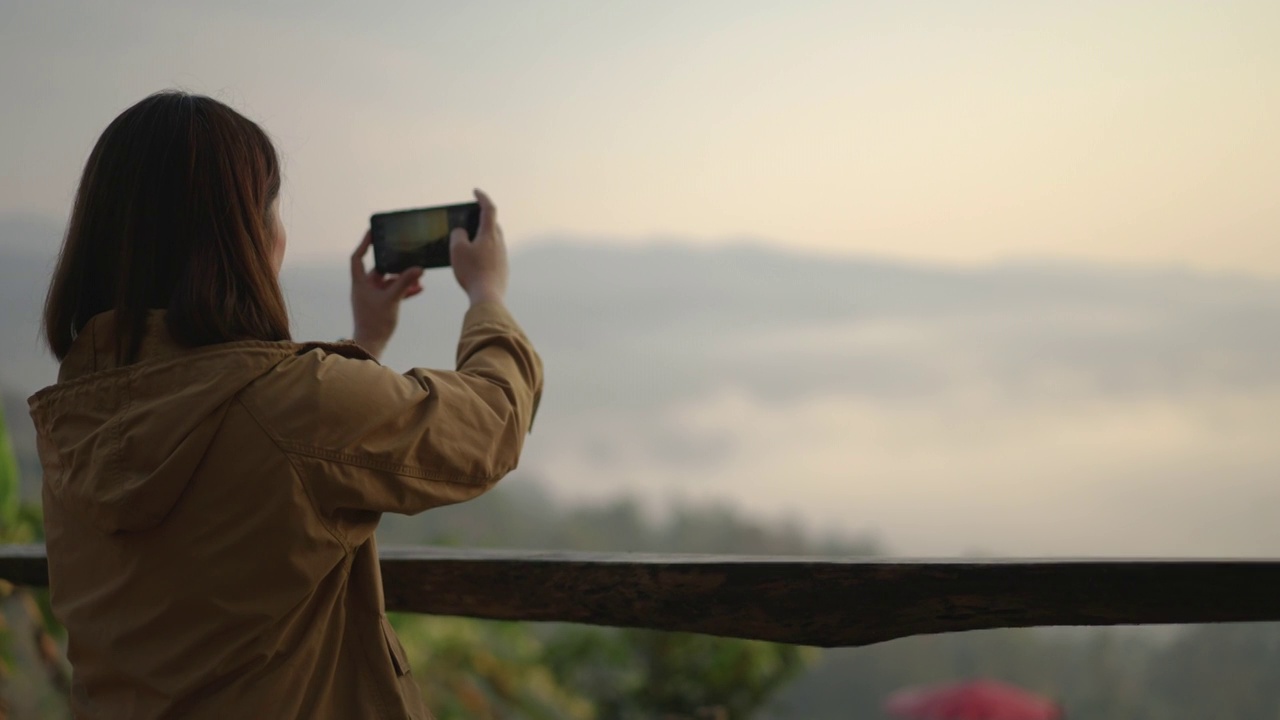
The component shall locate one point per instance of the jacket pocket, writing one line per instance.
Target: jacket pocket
(394, 647)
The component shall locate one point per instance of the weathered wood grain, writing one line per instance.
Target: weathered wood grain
(24, 565)
(810, 601)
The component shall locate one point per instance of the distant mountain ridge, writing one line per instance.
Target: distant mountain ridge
(582, 293)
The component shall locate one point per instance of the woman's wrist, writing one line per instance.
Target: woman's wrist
(482, 295)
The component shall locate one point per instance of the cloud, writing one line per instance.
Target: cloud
(970, 469)
(1017, 410)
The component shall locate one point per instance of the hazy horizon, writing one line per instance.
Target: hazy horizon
(328, 258)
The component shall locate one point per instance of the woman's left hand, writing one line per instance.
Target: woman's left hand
(375, 299)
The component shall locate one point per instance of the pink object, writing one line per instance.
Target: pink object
(977, 700)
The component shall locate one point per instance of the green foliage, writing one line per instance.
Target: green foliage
(10, 487)
(486, 670)
(482, 669)
(19, 522)
(32, 670)
(489, 670)
(634, 674)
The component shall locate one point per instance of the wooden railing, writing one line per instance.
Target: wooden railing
(807, 601)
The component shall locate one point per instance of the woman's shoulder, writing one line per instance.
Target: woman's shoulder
(322, 388)
(322, 375)
(341, 348)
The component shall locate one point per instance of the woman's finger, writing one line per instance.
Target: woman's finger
(357, 258)
(488, 214)
(404, 282)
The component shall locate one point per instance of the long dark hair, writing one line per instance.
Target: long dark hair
(172, 213)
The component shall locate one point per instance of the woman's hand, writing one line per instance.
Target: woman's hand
(480, 265)
(375, 299)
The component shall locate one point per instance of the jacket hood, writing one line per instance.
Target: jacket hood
(120, 443)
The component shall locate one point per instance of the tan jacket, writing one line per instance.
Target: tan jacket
(210, 513)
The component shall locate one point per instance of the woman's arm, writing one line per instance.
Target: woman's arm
(366, 439)
(390, 442)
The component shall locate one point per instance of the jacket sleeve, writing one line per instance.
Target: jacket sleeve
(366, 438)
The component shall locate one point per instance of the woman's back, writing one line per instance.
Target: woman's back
(211, 488)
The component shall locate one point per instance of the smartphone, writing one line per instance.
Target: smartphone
(406, 238)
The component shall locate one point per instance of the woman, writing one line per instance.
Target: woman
(211, 488)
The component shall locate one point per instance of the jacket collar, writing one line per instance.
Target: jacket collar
(94, 349)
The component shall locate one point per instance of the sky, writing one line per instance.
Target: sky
(951, 132)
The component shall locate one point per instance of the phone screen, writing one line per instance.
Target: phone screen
(408, 238)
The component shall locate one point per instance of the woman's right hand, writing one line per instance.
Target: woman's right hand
(480, 264)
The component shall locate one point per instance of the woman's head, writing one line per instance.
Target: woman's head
(176, 211)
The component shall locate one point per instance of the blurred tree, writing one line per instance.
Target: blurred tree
(1227, 671)
(520, 514)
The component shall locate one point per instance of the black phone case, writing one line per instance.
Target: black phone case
(433, 252)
